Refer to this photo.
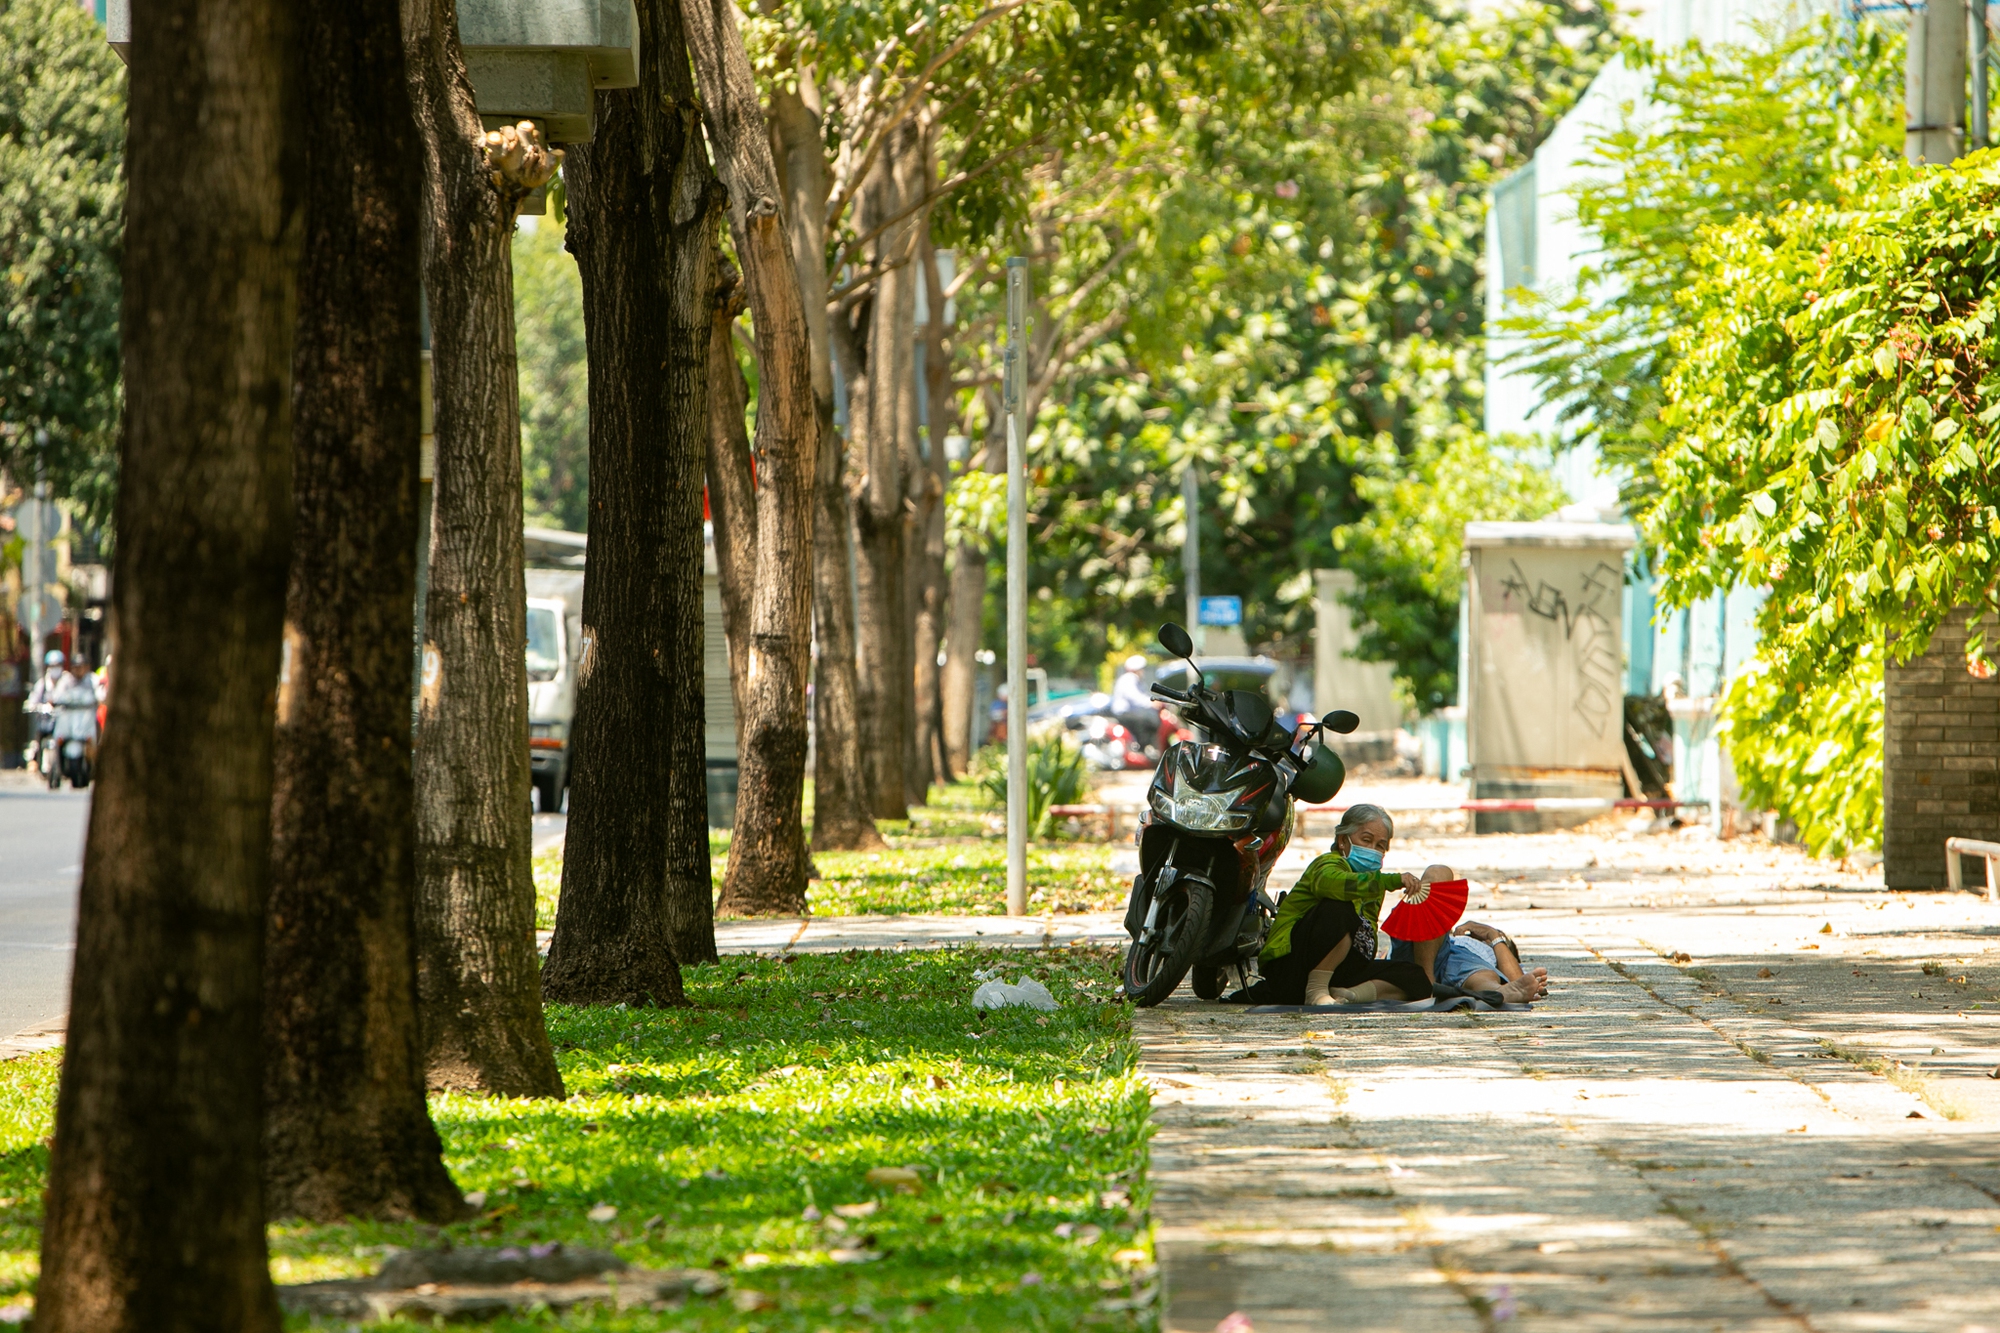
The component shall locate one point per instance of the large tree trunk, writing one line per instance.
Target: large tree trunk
(767, 852)
(882, 415)
(154, 1219)
(478, 979)
(840, 812)
(932, 583)
(643, 216)
(346, 1130)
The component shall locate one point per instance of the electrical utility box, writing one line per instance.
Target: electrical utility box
(1544, 666)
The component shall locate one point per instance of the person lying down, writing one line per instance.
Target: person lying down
(1321, 949)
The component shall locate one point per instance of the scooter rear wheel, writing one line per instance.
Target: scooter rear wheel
(1153, 971)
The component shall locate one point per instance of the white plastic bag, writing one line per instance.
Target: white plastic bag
(1026, 992)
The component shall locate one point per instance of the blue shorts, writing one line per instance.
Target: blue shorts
(1458, 958)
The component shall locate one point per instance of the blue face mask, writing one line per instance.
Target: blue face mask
(1365, 859)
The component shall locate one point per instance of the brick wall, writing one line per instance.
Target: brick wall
(1941, 770)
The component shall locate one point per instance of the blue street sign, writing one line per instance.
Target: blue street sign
(1222, 610)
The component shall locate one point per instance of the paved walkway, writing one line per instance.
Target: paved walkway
(1719, 1142)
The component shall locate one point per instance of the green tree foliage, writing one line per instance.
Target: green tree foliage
(62, 192)
(1813, 754)
(555, 382)
(1412, 537)
(1306, 308)
(1730, 131)
(1833, 417)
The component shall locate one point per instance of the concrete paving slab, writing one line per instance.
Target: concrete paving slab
(1703, 1128)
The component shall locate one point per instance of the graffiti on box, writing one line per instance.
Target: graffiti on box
(1588, 625)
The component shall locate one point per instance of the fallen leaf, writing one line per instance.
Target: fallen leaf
(604, 1212)
(1800, 1130)
(837, 1225)
(1683, 957)
(937, 1082)
(747, 1301)
(1914, 1115)
(1131, 1257)
(476, 1199)
(902, 1179)
(857, 1210)
(1766, 973)
(1088, 1234)
(853, 1256)
(754, 1260)
(1826, 928)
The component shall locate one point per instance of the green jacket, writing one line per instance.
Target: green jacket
(1329, 876)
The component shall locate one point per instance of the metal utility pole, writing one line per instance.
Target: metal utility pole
(1191, 548)
(1934, 83)
(1976, 11)
(1016, 371)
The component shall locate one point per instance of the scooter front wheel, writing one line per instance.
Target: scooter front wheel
(1153, 969)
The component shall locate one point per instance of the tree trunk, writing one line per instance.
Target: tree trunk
(479, 984)
(962, 731)
(933, 755)
(882, 415)
(767, 853)
(644, 210)
(346, 1129)
(732, 500)
(154, 1217)
(840, 813)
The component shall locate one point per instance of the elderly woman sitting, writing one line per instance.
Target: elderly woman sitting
(1321, 948)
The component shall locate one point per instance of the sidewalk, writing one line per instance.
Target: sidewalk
(1698, 1144)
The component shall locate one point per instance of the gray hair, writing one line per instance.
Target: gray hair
(1355, 816)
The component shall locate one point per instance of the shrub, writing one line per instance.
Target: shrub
(1056, 776)
(1812, 754)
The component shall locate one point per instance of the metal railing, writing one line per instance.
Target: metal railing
(1954, 848)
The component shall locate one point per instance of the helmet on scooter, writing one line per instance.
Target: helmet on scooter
(53, 657)
(1322, 781)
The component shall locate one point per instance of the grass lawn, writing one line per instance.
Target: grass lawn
(727, 1134)
(949, 857)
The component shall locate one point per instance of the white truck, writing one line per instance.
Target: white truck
(555, 646)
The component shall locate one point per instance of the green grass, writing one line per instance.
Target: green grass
(964, 876)
(949, 858)
(713, 1129)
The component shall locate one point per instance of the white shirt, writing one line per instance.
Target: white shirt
(75, 700)
(1128, 695)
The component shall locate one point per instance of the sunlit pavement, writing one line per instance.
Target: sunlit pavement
(41, 860)
(1705, 1126)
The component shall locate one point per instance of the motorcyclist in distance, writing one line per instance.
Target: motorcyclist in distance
(52, 676)
(1132, 703)
(75, 699)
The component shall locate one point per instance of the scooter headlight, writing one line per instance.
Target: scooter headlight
(1204, 812)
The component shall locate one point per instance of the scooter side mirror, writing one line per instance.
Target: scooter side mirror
(1340, 720)
(1176, 641)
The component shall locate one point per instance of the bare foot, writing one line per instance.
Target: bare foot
(1342, 995)
(1533, 985)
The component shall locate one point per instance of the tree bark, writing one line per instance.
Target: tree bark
(644, 209)
(933, 757)
(962, 732)
(840, 814)
(882, 416)
(767, 852)
(346, 1129)
(154, 1219)
(732, 500)
(478, 980)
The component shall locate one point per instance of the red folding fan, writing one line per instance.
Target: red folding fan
(1429, 910)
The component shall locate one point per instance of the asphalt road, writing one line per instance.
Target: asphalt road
(41, 860)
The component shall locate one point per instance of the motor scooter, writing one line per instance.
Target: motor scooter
(1219, 813)
(47, 758)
